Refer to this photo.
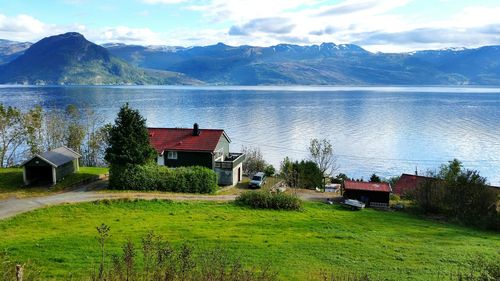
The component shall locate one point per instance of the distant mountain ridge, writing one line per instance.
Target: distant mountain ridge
(71, 59)
(325, 64)
(287, 64)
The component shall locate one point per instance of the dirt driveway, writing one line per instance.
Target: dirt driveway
(87, 193)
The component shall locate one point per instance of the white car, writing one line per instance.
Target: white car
(258, 180)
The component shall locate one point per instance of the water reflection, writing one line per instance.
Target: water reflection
(384, 130)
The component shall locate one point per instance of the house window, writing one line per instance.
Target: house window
(172, 155)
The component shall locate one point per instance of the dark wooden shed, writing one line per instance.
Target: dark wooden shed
(51, 166)
(374, 194)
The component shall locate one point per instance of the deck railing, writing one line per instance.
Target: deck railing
(233, 160)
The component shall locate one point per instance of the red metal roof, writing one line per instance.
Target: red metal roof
(180, 139)
(409, 182)
(368, 186)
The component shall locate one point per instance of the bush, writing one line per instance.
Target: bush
(153, 177)
(268, 200)
(156, 259)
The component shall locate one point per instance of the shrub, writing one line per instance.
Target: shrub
(156, 259)
(153, 177)
(268, 200)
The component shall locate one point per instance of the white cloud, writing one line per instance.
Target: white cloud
(126, 34)
(20, 25)
(377, 25)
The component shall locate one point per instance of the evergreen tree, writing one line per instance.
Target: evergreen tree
(129, 140)
(375, 178)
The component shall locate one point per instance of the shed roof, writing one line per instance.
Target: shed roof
(182, 139)
(57, 157)
(367, 186)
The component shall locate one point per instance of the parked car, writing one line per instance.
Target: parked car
(258, 180)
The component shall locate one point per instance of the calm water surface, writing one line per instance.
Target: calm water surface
(383, 130)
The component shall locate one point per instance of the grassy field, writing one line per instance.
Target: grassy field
(11, 182)
(387, 245)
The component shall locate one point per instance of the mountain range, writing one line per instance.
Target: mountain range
(71, 59)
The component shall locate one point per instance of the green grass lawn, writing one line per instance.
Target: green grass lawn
(11, 182)
(386, 245)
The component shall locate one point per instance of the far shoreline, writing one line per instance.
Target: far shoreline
(292, 88)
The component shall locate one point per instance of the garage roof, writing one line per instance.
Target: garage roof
(57, 157)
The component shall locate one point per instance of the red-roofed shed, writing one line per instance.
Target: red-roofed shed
(371, 193)
(408, 183)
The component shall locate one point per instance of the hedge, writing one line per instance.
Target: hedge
(153, 177)
(268, 200)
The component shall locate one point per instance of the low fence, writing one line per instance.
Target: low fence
(379, 205)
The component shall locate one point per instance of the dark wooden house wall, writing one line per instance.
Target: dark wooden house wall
(186, 159)
(367, 196)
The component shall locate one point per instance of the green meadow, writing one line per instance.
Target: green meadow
(61, 240)
(11, 182)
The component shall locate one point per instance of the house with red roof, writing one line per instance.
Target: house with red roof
(182, 147)
(374, 194)
(407, 183)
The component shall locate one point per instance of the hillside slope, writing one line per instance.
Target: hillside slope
(71, 59)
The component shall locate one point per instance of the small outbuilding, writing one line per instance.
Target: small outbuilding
(373, 194)
(51, 166)
(407, 183)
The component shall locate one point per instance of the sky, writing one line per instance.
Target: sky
(376, 25)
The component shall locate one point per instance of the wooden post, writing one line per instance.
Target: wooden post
(54, 176)
(19, 272)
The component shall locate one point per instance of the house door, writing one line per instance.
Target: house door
(239, 174)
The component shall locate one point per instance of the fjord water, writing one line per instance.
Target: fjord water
(383, 130)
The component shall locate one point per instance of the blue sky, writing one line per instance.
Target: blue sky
(377, 25)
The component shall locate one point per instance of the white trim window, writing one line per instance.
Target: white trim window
(172, 155)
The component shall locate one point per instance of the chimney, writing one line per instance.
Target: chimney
(416, 171)
(196, 130)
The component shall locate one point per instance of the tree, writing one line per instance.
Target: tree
(75, 132)
(12, 134)
(54, 130)
(321, 153)
(303, 174)
(129, 139)
(310, 176)
(340, 178)
(289, 172)
(96, 138)
(460, 194)
(254, 161)
(375, 178)
(33, 123)
(269, 170)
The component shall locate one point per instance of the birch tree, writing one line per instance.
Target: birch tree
(321, 153)
(12, 134)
